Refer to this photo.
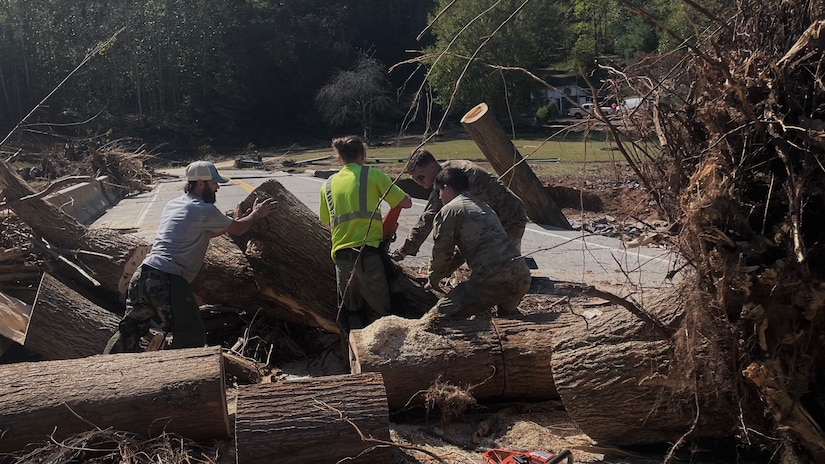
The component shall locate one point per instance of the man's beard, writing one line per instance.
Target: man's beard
(208, 195)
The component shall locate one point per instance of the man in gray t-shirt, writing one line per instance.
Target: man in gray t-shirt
(160, 290)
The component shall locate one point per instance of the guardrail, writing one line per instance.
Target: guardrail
(86, 201)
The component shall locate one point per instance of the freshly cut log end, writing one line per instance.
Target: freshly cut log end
(130, 266)
(474, 114)
(503, 358)
(176, 391)
(313, 420)
(14, 318)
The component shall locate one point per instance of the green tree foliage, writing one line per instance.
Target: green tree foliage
(182, 70)
(594, 20)
(639, 36)
(473, 35)
(188, 71)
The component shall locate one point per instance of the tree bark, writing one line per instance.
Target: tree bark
(176, 391)
(65, 325)
(617, 377)
(498, 359)
(289, 252)
(515, 173)
(312, 420)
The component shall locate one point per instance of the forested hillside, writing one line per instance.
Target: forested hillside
(195, 72)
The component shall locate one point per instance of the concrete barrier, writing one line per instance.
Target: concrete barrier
(86, 201)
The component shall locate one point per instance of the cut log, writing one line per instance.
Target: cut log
(176, 391)
(313, 420)
(289, 253)
(498, 359)
(615, 375)
(487, 133)
(65, 325)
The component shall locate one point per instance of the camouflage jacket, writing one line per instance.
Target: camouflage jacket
(468, 224)
(483, 185)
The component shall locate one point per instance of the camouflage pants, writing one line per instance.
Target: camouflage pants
(504, 289)
(362, 287)
(163, 301)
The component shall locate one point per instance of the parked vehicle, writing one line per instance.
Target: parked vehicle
(586, 109)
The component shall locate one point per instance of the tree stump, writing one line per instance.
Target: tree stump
(313, 420)
(176, 391)
(65, 325)
(515, 173)
(498, 359)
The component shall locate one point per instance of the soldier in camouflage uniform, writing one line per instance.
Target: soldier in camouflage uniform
(159, 292)
(423, 168)
(466, 225)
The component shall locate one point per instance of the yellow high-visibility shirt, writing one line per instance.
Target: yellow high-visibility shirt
(353, 195)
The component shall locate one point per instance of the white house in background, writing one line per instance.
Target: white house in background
(566, 86)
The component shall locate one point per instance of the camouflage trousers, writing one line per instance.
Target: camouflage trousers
(503, 289)
(161, 301)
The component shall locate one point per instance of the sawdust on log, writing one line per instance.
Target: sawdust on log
(394, 337)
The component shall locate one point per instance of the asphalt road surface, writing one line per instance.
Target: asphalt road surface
(558, 255)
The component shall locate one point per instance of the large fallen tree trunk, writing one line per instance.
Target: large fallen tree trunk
(289, 254)
(107, 258)
(620, 381)
(65, 325)
(313, 420)
(176, 391)
(502, 358)
(487, 133)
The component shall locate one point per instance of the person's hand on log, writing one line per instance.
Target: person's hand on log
(259, 209)
(245, 218)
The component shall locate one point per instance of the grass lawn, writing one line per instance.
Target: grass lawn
(547, 158)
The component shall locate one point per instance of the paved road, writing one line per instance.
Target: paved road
(559, 255)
